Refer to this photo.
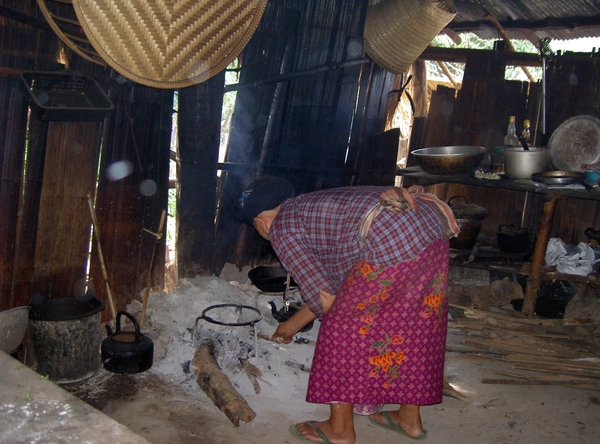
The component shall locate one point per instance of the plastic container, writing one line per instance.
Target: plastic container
(592, 178)
(497, 159)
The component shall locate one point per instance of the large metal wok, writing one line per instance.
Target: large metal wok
(270, 279)
(450, 160)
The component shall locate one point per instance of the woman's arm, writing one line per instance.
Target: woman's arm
(286, 330)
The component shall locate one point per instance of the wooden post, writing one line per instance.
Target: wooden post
(539, 255)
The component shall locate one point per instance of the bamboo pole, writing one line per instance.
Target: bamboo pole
(448, 74)
(111, 302)
(158, 235)
(506, 38)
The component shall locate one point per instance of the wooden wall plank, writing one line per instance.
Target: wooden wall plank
(199, 124)
(28, 222)
(440, 118)
(13, 118)
(63, 233)
(138, 132)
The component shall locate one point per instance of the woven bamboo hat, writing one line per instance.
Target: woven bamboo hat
(168, 43)
(398, 31)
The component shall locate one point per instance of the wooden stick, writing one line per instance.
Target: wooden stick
(111, 302)
(453, 393)
(268, 337)
(297, 365)
(253, 374)
(158, 235)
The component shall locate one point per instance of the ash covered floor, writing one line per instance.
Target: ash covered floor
(166, 405)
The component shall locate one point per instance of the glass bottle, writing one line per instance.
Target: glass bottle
(511, 138)
(527, 132)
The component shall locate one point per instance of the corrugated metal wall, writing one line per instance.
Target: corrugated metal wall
(308, 104)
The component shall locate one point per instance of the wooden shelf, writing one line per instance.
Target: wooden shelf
(511, 264)
(420, 177)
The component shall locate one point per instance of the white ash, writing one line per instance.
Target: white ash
(173, 322)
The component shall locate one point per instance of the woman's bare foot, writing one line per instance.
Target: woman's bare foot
(408, 417)
(308, 430)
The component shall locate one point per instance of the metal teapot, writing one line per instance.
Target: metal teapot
(126, 351)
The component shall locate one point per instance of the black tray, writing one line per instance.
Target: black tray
(66, 97)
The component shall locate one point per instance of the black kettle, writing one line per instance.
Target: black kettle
(126, 351)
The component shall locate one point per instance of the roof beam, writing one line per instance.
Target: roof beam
(530, 25)
(436, 54)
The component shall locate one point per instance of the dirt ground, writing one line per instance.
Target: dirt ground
(166, 405)
(164, 412)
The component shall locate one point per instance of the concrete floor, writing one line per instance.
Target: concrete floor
(164, 411)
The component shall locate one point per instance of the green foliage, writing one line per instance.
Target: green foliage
(171, 216)
(232, 76)
(472, 41)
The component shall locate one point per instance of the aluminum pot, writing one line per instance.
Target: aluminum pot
(521, 164)
(450, 160)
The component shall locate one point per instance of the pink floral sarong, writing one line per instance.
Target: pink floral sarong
(383, 341)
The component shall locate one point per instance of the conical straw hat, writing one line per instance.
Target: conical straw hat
(169, 43)
(398, 31)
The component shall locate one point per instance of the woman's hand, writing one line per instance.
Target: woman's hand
(326, 300)
(286, 330)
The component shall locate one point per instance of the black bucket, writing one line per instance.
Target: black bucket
(66, 335)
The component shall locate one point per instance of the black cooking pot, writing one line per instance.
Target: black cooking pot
(511, 240)
(270, 279)
(468, 218)
(127, 351)
(592, 234)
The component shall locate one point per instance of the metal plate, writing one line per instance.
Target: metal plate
(574, 143)
(557, 177)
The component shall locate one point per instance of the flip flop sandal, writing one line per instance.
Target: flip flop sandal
(294, 431)
(391, 425)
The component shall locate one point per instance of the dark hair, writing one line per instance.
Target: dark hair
(261, 194)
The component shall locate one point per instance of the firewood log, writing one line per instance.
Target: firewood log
(218, 387)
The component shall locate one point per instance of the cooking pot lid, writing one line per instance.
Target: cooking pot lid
(463, 210)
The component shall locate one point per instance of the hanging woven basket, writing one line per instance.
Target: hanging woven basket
(169, 44)
(398, 31)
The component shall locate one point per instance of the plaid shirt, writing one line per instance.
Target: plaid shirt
(315, 236)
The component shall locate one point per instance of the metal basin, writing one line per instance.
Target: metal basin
(450, 160)
(13, 325)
